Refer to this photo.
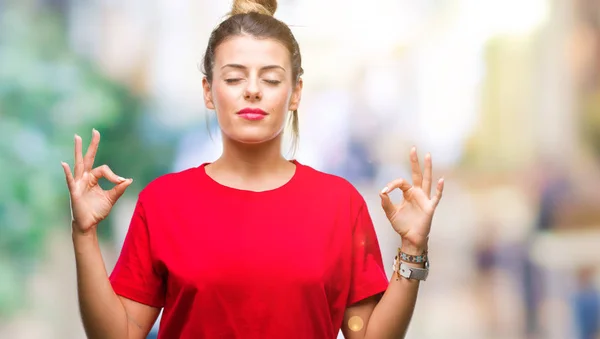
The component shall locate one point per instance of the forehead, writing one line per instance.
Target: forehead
(251, 52)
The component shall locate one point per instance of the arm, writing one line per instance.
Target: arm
(104, 314)
(383, 317)
(411, 219)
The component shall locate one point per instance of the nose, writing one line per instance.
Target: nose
(252, 95)
(252, 92)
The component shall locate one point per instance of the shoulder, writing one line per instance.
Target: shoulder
(332, 186)
(170, 184)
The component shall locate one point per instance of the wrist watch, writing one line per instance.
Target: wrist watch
(410, 272)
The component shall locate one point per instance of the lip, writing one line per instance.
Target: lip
(252, 113)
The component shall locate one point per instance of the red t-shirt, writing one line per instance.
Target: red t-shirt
(228, 263)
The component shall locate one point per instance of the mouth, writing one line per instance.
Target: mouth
(252, 113)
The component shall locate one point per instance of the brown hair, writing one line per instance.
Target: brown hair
(255, 18)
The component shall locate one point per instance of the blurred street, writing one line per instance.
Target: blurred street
(504, 94)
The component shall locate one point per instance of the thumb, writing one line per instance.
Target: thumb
(116, 192)
(386, 203)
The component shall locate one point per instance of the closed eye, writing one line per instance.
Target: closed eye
(273, 82)
(232, 81)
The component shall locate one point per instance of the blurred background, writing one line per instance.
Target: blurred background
(505, 94)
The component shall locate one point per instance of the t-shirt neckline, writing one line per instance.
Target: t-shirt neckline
(283, 187)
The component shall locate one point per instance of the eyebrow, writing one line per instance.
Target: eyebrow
(238, 66)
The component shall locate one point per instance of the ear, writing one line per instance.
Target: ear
(208, 100)
(296, 96)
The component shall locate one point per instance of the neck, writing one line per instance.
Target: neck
(251, 160)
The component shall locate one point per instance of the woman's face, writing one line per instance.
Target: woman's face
(252, 89)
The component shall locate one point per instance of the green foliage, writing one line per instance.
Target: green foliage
(47, 93)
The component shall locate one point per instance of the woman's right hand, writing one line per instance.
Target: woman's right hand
(90, 204)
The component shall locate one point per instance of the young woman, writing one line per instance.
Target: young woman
(251, 245)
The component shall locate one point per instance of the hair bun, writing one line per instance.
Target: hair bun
(266, 7)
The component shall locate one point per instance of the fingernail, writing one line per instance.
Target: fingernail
(385, 190)
(94, 130)
(121, 178)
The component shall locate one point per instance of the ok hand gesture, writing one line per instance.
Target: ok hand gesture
(411, 218)
(90, 204)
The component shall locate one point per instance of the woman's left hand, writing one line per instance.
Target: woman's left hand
(412, 217)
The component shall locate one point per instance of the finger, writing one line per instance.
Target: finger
(417, 175)
(400, 183)
(68, 175)
(427, 175)
(105, 172)
(79, 169)
(116, 192)
(387, 204)
(438, 194)
(90, 155)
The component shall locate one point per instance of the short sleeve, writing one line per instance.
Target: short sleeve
(368, 277)
(134, 275)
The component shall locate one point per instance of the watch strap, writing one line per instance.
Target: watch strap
(410, 272)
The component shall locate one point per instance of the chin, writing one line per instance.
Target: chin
(254, 137)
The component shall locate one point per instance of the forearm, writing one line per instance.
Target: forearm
(102, 313)
(392, 315)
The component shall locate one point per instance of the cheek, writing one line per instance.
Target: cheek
(224, 96)
(279, 100)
